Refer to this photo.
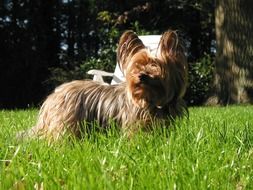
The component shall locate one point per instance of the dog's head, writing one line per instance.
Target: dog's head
(153, 80)
(145, 76)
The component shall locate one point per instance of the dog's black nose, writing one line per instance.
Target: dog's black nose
(143, 78)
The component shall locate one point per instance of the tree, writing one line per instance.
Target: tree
(29, 46)
(234, 59)
(45, 43)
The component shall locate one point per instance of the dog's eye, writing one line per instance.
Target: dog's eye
(153, 65)
(155, 70)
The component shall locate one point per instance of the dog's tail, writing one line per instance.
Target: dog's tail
(31, 133)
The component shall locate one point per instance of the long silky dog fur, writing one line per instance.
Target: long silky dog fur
(154, 90)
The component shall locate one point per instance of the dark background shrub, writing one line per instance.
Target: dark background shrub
(45, 43)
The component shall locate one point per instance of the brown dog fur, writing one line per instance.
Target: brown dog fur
(168, 69)
(153, 90)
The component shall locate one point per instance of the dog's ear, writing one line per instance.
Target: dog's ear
(169, 46)
(172, 53)
(129, 45)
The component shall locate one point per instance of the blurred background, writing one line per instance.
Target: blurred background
(46, 43)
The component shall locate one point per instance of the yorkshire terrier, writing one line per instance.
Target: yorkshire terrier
(153, 90)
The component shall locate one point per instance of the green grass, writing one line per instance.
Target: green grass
(211, 150)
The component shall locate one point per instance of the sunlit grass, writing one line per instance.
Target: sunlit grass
(211, 150)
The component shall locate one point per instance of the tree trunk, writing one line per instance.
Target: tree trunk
(234, 59)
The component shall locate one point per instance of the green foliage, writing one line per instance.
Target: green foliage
(105, 59)
(211, 150)
(200, 76)
(200, 80)
(106, 55)
(44, 43)
(139, 29)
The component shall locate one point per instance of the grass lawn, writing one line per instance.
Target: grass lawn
(211, 150)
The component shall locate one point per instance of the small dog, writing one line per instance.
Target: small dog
(153, 91)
